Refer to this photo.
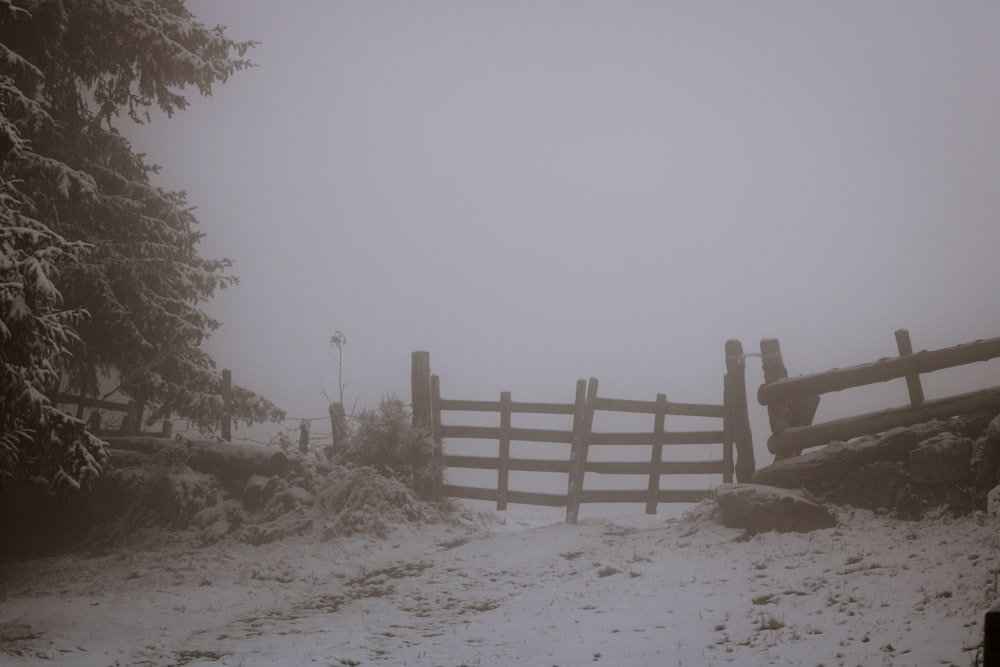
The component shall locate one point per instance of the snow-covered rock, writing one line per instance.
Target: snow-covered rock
(950, 463)
(942, 459)
(758, 509)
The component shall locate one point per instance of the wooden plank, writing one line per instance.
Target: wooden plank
(703, 467)
(541, 435)
(459, 431)
(516, 434)
(531, 498)
(882, 370)
(520, 497)
(475, 462)
(668, 438)
(91, 402)
(711, 467)
(656, 457)
(469, 406)
(797, 438)
(576, 464)
(913, 386)
(639, 496)
(504, 467)
(519, 407)
(649, 407)
(542, 408)
(468, 492)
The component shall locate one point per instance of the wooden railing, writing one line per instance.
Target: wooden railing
(792, 402)
(131, 423)
(734, 431)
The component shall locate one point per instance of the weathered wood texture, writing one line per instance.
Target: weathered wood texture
(798, 438)
(882, 370)
(737, 417)
(580, 436)
(791, 436)
(576, 456)
(131, 423)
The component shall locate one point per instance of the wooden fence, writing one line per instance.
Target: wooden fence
(792, 402)
(734, 432)
(131, 423)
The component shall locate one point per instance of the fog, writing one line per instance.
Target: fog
(541, 192)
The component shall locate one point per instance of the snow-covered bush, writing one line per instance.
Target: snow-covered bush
(385, 440)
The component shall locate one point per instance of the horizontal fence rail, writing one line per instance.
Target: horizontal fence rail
(791, 402)
(580, 436)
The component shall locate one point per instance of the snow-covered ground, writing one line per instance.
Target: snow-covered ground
(619, 588)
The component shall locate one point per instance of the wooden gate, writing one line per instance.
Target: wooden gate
(732, 434)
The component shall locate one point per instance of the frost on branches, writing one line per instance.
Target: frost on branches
(99, 270)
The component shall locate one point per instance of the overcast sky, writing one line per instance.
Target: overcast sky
(537, 192)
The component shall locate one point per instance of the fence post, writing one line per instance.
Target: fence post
(653, 489)
(503, 470)
(420, 389)
(133, 416)
(338, 431)
(799, 411)
(167, 427)
(95, 421)
(913, 385)
(583, 424)
(575, 464)
(304, 436)
(227, 404)
(734, 396)
(437, 492)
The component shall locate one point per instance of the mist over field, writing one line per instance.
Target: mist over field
(540, 193)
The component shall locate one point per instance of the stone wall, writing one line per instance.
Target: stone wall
(952, 464)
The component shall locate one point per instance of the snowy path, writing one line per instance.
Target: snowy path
(616, 592)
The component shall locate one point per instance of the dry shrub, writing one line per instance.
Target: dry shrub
(360, 500)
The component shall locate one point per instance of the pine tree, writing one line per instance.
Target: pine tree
(99, 269)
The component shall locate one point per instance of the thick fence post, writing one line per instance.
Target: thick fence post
(735, 399)
(577, 457)
(227, 404)
(913, 386)
(653, 488)
(797, 411)
(420, 389)
(503, 469)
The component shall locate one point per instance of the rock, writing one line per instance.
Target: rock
(758, 508)
(986, 455)
(942, 459)
(834, 462)
(878, 485)
(233, 464)
(993, 501)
